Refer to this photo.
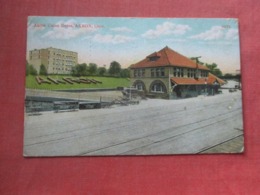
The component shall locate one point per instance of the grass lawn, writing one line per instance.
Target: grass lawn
(107, 82)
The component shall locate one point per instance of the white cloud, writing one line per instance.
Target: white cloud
(68, 30)
(114, 39)
(167, 28)
(216, 33)
(121, 29)
(232, 34)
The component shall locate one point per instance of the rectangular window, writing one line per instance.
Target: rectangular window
(204, 74)
(143, 72)
(158, 72)
(139, 73)
(162, 72)
(181, 72)
(152, 72)
(191, 73)
(135, 73)
(178, 72)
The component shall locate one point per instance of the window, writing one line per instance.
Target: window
(152, 72)
(158, 88)
(191, 73)
(178, 72)
(162, 72)
(204, 73)
(154, 58)
(158, 72)
(139, 73)
(142, 72)
(139, 87)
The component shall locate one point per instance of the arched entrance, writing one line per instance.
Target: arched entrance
(158, 86)
(139, 85)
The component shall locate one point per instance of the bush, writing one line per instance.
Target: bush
(32, 70)
(43, 70)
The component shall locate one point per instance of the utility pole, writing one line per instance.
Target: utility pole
(197, 65)
(197, 70)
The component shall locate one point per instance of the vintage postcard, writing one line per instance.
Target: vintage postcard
(132, 86)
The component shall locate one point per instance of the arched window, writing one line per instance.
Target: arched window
(139, 85)
(158, 87)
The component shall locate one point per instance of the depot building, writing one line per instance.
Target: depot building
(170, 75)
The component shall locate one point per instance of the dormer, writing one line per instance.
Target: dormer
(154, 56)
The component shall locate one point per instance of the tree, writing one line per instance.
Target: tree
(79, 70)
(92, 68)
(43, 70)
(101, 71)
(228, 75)
(213, 69)
(27, 71)
(32, 70)
(125, 73)
(114, 68)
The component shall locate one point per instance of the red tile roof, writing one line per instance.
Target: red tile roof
(188, 81)
(201, 81)
(212, 78)
(167, 57)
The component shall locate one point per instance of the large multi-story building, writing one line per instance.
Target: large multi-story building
(56, 61)
(168, 74)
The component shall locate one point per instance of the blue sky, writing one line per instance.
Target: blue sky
(129, 40)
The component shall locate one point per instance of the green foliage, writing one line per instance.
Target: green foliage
(228, 75)
(92, 68)
(125, 73)
(101, 71)
(213, 69)
(43, 70)
(79, 70)
(27, 71)
(114, 68)
(32, 70)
